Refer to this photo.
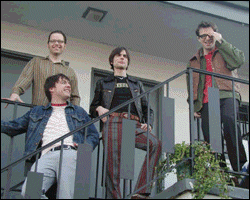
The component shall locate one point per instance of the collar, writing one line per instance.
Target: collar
(200, 53)
(62, 61)
(55, 104)
(212, 52)
(50, 106)
(112, 78)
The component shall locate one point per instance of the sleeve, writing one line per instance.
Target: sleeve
(144, 103)
(75, 97)
(97, 100)
(26, 77)
(232, 56)
(17, 126)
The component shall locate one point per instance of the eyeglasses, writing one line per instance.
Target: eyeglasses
(205, 36)
(54, 41)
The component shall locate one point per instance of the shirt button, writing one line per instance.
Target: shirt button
(36, 144)
(41, 133)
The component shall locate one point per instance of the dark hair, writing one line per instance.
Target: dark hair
(51, 82)
(206, 25)
(116, 51)
(58, 31)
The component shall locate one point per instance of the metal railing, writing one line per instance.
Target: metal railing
(188, 71)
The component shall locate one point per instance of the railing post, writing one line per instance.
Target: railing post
(9, 173)
(34, 185)
(214, 119)
(167, 116)
(236, 128)
(191, 114)
(60, 170)
(97, 169)
(127, 151)
(148, 117)
(83, 169)
(105, 143)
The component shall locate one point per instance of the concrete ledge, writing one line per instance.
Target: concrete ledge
(183, 189)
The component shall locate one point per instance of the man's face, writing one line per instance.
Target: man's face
(62, 89)
(206, 38)
(120, 61)
(56, 44)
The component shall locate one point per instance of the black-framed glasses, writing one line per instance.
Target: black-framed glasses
(205, 36)
(58, 41)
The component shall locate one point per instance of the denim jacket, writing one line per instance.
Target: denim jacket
(35, 121)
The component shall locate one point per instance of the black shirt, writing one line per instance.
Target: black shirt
(122, 94)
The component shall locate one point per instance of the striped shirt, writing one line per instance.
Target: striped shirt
(36, 72)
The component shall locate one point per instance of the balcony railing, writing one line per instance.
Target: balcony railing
(167, 137)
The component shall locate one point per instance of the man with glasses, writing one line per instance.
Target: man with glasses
(38, 69)
(217, 55)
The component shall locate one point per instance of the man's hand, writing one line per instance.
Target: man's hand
(217, 36)
(144, 127)
(197, 115)
(13, 97)
(102, 111)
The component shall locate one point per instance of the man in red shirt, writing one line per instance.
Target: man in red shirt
(217, 55)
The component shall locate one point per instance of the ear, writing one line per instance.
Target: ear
(199, 39)
(51, 90)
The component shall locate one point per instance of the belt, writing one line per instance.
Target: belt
(64, 147)
(125, 115)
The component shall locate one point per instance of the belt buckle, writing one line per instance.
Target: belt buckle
(68, 147)
(125, 115)
(53, 149)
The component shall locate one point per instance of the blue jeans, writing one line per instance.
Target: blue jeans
(48, 164)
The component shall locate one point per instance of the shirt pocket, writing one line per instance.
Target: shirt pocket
(78, 120)
(36, 118)
(35, 122)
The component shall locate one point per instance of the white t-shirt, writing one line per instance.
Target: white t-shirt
(56, 127)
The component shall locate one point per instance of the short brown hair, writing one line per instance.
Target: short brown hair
(51, 82)
(116, 51)
(206, 25)
(58, 31)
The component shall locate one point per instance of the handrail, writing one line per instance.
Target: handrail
(114, 109)
(17, 103)
(186, 71)
(86, 124)
(219, 75)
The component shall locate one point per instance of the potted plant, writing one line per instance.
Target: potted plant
(207, 171)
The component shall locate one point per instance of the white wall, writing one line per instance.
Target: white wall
(83, 55)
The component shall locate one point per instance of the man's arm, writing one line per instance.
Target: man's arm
(96, 102)
(25, 79)
(144, 103)
(232, 56)
(75, 97)
(23, 83)
(17, 126)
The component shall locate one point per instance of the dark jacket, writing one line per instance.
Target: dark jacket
(34, 123)
(104, 93)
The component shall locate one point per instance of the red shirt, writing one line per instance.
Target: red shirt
(208, 80)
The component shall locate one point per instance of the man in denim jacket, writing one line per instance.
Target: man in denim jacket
(44, 124)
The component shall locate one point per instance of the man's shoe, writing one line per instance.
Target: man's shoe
(141, 196)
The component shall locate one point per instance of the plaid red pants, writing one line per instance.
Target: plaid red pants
(114, 129)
